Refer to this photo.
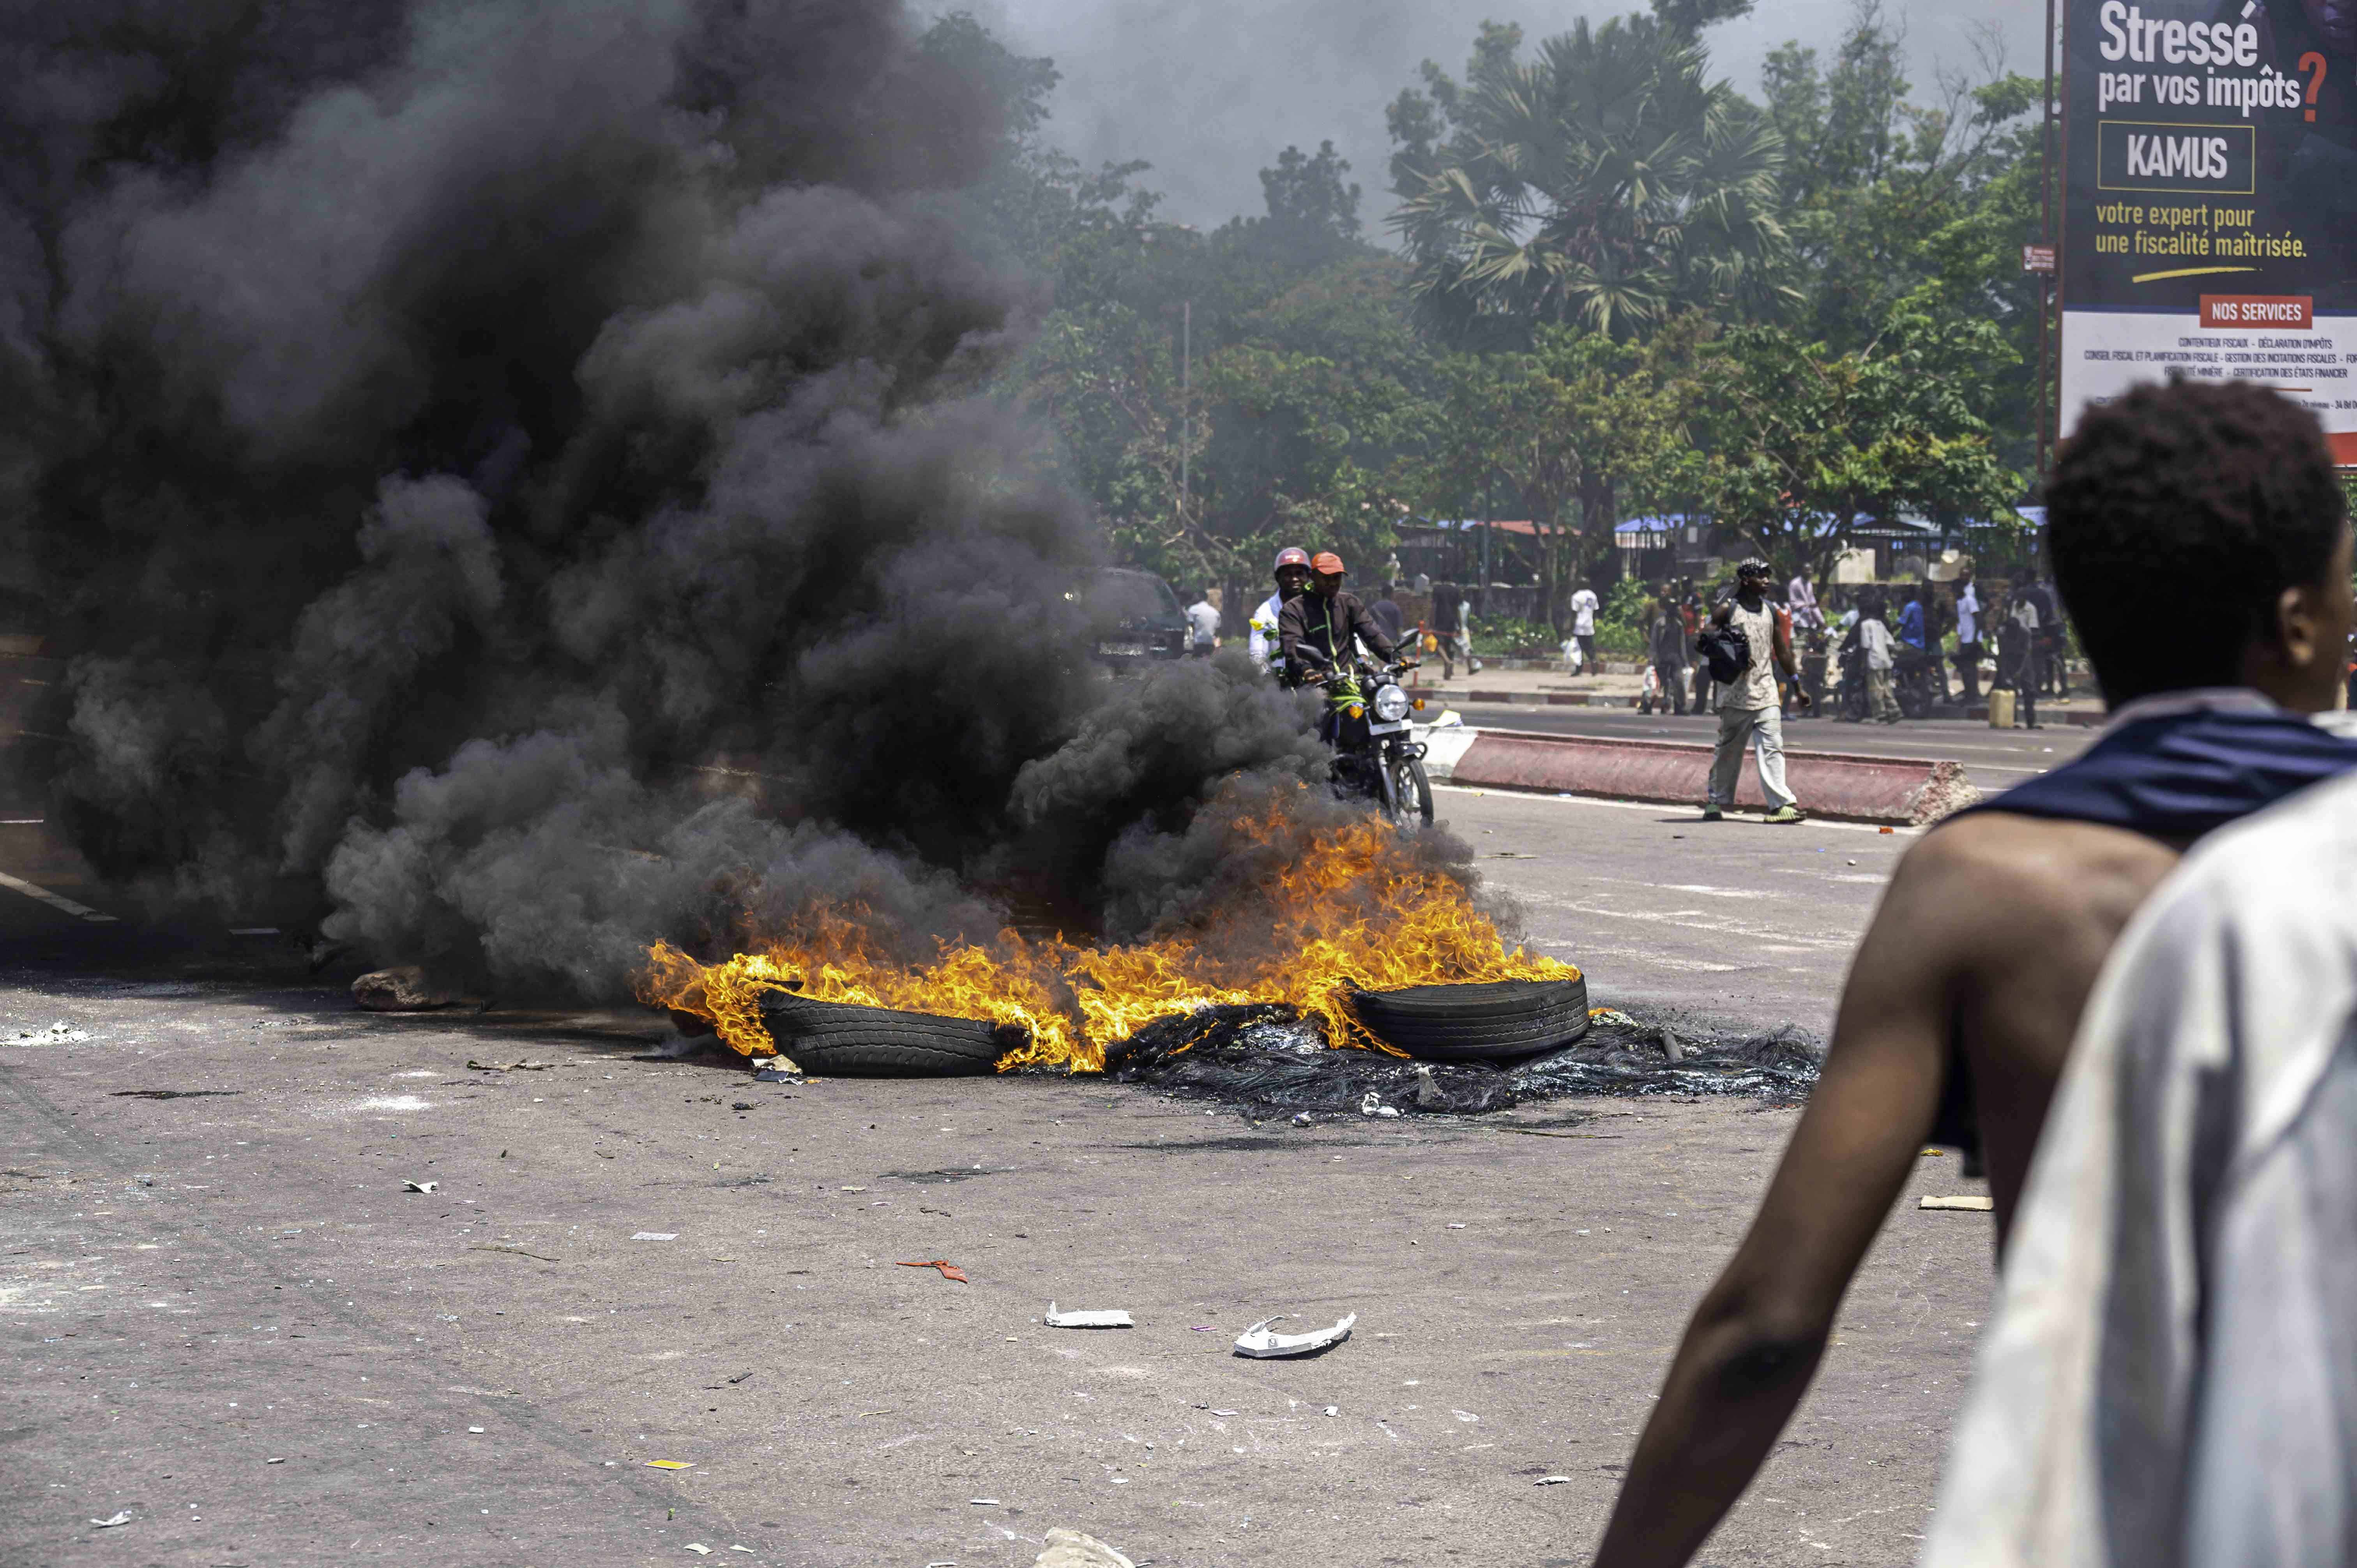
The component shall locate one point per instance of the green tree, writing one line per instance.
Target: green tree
(1605, 183)
(1796, 443)
(1566, 428)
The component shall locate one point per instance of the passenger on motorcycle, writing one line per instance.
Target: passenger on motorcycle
(1292, 573)
(1316, 628)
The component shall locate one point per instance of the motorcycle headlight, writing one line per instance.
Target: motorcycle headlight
(1391, 705)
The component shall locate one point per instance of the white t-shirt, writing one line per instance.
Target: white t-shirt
(1968, 614)
(1205, 618)
(1583, 613)
(1874, 639)
(1263, 631)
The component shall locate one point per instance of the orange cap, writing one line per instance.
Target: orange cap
(1327, 564)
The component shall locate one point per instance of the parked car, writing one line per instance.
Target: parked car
(1137, 617)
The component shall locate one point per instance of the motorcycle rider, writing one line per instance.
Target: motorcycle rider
(1292, 575)
(1316, 628)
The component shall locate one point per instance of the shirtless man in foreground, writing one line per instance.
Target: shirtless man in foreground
(1966, 991)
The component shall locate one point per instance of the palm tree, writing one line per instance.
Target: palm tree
(1604, 183)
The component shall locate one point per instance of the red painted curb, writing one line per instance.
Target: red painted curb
(1829, 784)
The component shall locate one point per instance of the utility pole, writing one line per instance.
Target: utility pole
(2046, 236)
(1186, 399)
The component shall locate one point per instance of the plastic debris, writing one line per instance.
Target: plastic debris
(984, 1502)
(1550, 1480)
(1455, 1225)
(654, 1235)
(949, 1270)
(57, 1034)
(670, 1464)
(1970, 1204)
(1301, 1118)
(420, 1185)
(1113, 1318)
(274, 1461)
(474, 1429)
(1070, 1549)
(1224, 1413)
(111, 1523)
(778, 1070)
(1372, 1104)
(509, 1067)
(699, 1549)
(1260, 1342)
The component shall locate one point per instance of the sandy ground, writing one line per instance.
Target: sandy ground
(193, 1287)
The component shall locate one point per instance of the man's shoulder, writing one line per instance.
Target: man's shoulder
(1998, 863)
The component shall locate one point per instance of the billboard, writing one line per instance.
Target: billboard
(2210, 201)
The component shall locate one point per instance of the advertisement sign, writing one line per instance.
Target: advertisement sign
(2210, 201)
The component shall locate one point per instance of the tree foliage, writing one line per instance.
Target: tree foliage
(1621, 286)
(1606, 182)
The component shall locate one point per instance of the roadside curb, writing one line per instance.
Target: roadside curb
(1902, 791)
(1527, 699)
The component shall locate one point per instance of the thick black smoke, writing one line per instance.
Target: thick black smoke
(516, 474)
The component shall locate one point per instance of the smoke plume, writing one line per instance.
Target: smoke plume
(517, 477)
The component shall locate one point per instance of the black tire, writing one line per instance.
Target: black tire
(1477, 1023)
(835, 1039)
(1407, 793)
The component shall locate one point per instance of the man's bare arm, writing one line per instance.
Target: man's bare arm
(1755, 1340)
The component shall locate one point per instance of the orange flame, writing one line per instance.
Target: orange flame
(1355, 911)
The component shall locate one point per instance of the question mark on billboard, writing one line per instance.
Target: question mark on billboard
(2312, 59)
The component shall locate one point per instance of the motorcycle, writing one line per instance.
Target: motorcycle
(1366, 723)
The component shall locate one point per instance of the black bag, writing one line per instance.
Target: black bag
(1726, 651)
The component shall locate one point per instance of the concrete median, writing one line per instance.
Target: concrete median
(1891, 789)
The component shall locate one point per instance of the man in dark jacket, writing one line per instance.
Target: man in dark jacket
(1314, 631)
(1666, 634)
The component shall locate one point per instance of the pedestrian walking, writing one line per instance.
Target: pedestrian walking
(1387, 610)
(1968, 635)
(1204, 621)
(1583, 626)
(1881, 655)
(1800, 598)
(1448, 627)
(2017, 652)
(2053, 675)
(1749, 712)
(1666, 644)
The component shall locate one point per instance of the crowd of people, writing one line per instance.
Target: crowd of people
(1882, 641)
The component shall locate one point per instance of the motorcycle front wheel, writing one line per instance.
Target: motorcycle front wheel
(1407, 793)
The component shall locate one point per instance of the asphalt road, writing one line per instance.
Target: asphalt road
(1992, 758)
(192, 1287)
(1744, 923)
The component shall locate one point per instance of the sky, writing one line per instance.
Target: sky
(1209, 90)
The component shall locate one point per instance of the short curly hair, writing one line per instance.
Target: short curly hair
(2176, 517)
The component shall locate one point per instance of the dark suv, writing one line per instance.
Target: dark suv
(1136, 618)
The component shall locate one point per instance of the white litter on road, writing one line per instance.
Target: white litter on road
(1110, 1318)
(1970, 1204)
(1258, 1341)
(655, 1236)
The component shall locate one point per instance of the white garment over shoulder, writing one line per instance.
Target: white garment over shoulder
(2170, 1380)
(1874, 640)
(1264, 631)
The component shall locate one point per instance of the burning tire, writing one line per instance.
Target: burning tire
(835, 1039)
(1476, 1023)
